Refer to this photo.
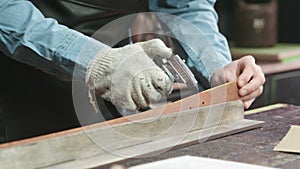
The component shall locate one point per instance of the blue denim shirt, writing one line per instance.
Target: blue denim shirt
(23, 25)
(201, 13)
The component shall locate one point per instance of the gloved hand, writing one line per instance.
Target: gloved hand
(128, 77)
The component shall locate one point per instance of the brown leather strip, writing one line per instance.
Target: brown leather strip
(220, 94)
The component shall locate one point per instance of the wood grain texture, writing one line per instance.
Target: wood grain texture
(278, 67)
(280, 52)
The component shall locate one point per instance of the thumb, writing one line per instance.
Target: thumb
(156, 47)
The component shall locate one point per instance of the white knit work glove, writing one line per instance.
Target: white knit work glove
(128, 77)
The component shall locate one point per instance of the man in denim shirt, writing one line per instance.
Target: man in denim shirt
(23, 25)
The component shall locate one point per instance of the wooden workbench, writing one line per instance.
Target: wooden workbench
(277, 67)
(254, 146)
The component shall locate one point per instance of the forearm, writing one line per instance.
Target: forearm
(24, 26)
(202, 15)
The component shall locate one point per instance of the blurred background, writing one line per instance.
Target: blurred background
(267, 29)
(287, 14)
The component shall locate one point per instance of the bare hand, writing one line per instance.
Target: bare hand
(249, 77)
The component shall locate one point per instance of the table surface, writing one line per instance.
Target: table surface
(254, 146)
(278, 67)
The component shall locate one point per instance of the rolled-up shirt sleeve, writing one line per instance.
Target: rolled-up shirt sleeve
(23, 25)
(202, 15)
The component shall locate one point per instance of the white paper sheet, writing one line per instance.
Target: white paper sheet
(191, 162)
(291, 142)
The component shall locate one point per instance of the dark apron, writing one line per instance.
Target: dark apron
(87, 16)
(33, 103)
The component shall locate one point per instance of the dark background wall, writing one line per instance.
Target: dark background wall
(288, 19)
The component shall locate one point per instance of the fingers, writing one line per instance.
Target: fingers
(156, 47)
(137, 94)
(150, 92)
(248, 99)
(248, 94)
(254, 85)
(146, 87)
(251, 80)
(143, 91)
(253, 94)
(161, 81)
(248, 103)
(249, 70)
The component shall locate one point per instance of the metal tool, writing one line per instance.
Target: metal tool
(176, 68)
